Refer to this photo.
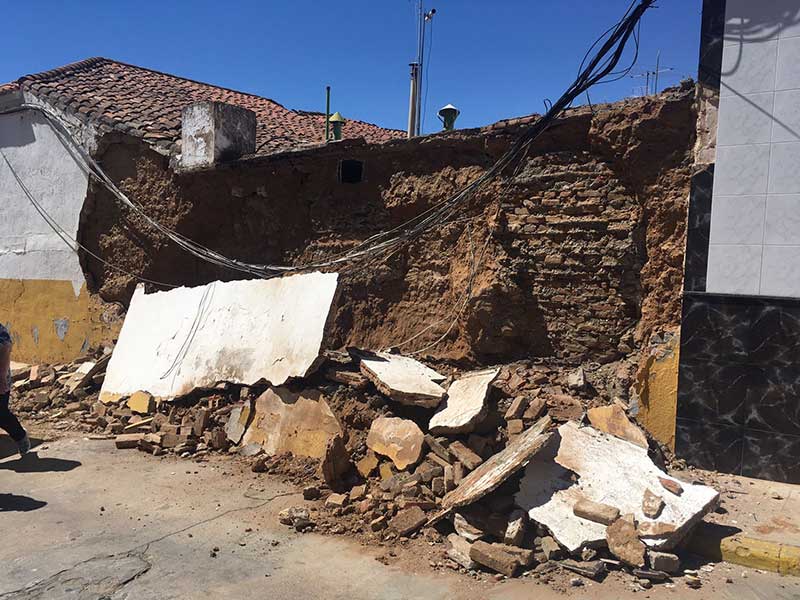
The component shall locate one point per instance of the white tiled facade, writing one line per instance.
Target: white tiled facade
(755, 212)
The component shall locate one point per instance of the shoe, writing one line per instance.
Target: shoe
(24, 445)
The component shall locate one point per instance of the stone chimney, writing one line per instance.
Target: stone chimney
(214, 132)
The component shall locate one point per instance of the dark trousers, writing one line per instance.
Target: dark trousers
(8, 421)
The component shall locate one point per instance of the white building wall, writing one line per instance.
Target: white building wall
(29, 248)
(754, 244)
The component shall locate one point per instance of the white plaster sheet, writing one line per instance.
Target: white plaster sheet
(611, 471)
(240, 331)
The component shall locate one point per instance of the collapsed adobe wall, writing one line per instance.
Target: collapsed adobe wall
(575, 253)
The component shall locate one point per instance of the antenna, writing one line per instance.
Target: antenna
(651, 74)
(415, 95)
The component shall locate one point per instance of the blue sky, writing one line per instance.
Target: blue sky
(493, 60)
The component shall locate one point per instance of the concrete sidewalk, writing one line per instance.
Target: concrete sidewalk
(83, 520)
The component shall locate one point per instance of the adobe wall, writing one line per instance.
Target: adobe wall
(577, 253)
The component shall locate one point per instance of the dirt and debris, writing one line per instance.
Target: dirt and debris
(370, 467)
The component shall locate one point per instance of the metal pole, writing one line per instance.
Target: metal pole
(658, 59)
(327, 113)
(412, 102)
(421, 63)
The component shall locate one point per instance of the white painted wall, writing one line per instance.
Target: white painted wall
(29, 249)
(755, 212)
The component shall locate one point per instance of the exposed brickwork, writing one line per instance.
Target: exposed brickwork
(576, 252)
(571, 239)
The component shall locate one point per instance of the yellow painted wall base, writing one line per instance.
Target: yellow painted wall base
(657, 389)
(50, 324)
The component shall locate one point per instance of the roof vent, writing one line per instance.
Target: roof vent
(213, 132)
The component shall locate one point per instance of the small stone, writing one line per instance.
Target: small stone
(336, 501)
(645, 583)
(664, 561)
(535, 409)
(515, 530)
(378, 523)
(515, 427)
(495, 557)
(652, 505)
(693, 582)
(399, 439)
(576, 380)
(357, 492)
(624, 543)
(437, 486)
(517, 408)
(458, 550)
(595, 511)
(408, 520)
(671, 485)
(576, 582)
(311, 492)
(141, 402)
(654, 529)
(551, 549)
(465, 456)
(367, 465)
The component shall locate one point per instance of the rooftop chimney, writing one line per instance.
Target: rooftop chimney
(213, 132)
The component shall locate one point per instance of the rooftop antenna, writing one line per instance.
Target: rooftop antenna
(652, 75)
(415, 96)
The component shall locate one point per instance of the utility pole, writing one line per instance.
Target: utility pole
(415, 94)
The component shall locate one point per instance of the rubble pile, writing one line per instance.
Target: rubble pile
(520, 470)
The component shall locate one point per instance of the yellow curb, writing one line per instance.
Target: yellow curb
(718, 543)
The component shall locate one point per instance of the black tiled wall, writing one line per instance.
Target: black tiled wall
(739, 385)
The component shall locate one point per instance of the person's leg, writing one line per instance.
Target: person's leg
(8, 421)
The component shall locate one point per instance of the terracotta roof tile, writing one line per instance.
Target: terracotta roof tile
(134, 98)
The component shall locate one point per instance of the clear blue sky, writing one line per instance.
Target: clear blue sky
(492, 59)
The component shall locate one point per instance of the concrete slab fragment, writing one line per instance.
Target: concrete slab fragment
(301, 423)
(404, 379)
(465, 404)
(238, 331)
(611, 471)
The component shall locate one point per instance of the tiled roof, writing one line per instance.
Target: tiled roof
(148, 104)
(11, 86)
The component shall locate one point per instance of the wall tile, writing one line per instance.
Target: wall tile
(733, 269)
(709, 446)
(746, 20)
(786, 112)
(770, 456)
(741, 170)
(787, 76)
(783, 220)
(745, 119)
(737, 219)
(791, 18)
(784, 168)
(748, 67)
(781, 271)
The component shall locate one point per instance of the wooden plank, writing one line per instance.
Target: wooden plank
(489, 475)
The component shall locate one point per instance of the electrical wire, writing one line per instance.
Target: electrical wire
(384, 244)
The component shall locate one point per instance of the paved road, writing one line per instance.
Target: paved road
(83, 521)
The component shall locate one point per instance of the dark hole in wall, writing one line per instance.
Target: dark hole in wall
(351, 171)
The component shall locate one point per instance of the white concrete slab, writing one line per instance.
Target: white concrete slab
(238, 331)
(611, 471)
(404, 379)
(465, 404)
